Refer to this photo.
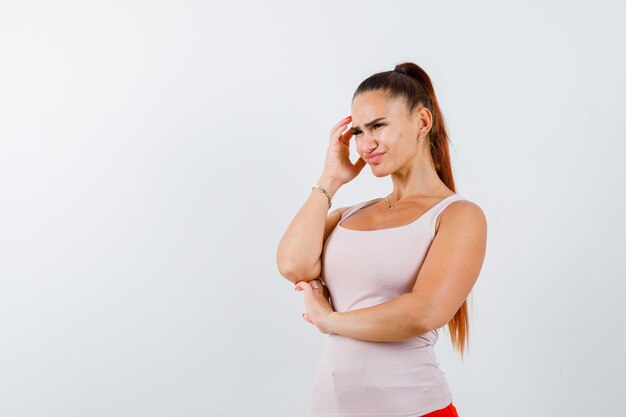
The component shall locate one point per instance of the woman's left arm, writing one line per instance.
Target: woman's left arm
(444, 281)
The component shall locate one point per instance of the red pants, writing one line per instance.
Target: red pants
(449, 411)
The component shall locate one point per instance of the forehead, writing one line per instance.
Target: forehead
(373, 104)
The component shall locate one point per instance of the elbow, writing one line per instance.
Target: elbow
(285, 267)
(427, 322)
(295, 273)
(424, 315)
(421, 322)
(295, 266)
(287, 271)
(420, 326)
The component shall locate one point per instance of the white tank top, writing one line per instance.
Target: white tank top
(357, 378)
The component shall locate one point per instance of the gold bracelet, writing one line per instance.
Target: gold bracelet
(323, 190)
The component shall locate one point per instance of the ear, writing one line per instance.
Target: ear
(423, 120)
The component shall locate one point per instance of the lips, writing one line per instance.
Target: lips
(375, 157)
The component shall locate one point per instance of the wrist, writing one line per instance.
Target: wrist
(330, 323)
(330, 184)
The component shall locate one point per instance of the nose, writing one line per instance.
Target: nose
(368, 145)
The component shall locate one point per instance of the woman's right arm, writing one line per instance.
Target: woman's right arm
(300, 249)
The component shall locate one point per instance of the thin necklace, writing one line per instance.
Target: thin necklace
(390, 204)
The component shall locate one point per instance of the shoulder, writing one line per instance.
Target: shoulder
(356, 206)
(341, 210)
(462, 215)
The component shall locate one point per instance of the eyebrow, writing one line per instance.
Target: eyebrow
(368, 124)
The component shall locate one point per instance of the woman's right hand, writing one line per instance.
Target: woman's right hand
(337, 164)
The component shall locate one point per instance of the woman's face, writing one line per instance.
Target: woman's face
(383, 125)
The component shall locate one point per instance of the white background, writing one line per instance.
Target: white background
(152, 154)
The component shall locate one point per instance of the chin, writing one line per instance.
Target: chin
(379, 172)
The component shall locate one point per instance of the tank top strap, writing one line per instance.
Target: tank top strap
(441, 206)
(449, 200)
(433, 212)
(356, 207)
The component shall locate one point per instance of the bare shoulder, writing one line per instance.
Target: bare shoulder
(461, 215)
(338, 212)
(342, 210)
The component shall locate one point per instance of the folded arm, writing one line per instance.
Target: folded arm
(444, 281)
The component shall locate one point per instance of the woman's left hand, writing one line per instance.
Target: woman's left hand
(316, 301)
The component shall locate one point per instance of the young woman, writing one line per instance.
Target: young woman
(381, 277)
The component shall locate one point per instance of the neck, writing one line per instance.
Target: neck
(416, 182)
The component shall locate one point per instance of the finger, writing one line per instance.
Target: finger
(307, 317)
(359, 164)
(345, 137)
(335, 132)
(305, 286)
(300, 285)
(321, 287)
(341, 123)
(313, 286)
(325, 291)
